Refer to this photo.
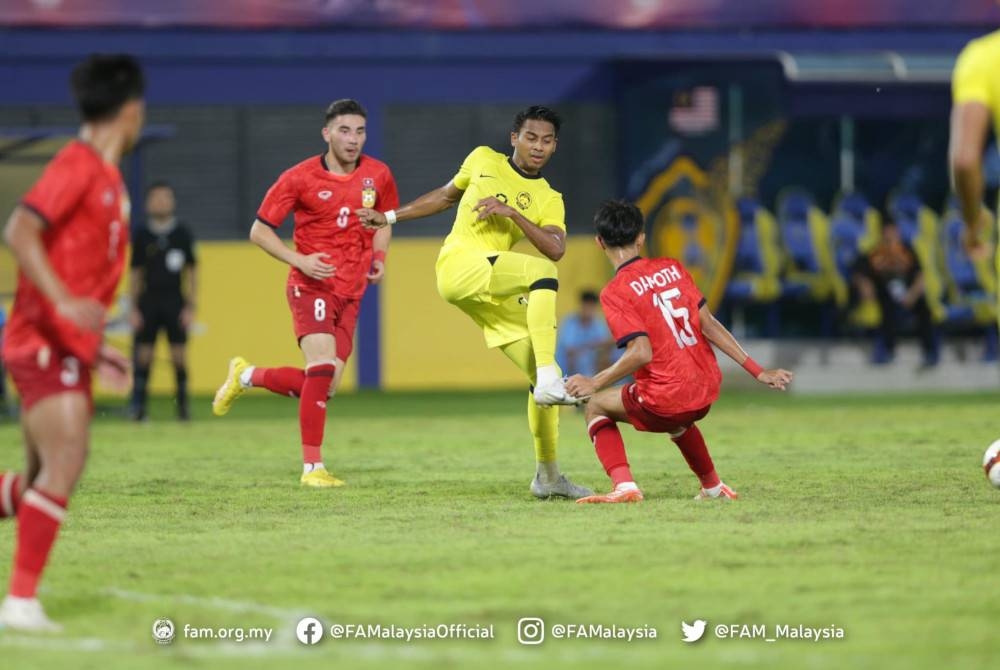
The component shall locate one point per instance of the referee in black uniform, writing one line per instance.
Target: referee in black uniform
(163, 283)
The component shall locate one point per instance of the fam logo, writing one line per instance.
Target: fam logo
(163, 631)
(523, 200)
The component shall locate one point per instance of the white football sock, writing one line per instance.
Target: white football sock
(715, 490)
(627, 486)
(246, 375)
(309, 467)
(546, 374)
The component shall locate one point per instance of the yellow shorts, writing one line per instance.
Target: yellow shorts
(492, 292)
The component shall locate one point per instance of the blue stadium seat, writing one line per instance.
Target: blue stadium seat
(755, 276)
(805, 233)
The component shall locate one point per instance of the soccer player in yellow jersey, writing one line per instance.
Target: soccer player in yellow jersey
(976, 97)
(501, 200)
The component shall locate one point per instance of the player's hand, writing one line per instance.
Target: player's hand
(581, 386)
(776, 379)
(370, 218)
(113, 369)
(972, 238)
(490, 206)
(187, 317)
(377, 272)
(86, 313)
(135, 320)
(315, 267)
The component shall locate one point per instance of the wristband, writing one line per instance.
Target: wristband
(753, 367)
(390, 216)
(379, 256)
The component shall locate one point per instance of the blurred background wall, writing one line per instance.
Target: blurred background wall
(691, 109)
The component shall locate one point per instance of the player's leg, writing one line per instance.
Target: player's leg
(516, 274)
(13, 484)
(603, 412)
(320, 352)
(58, 427)
(692, 446)
(177, 336)
(142, 360)
(544, 425)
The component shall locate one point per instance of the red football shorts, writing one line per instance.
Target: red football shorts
(646, 420)
(317, 311)
(47, 372)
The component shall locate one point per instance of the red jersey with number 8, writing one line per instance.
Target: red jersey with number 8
(85, 206)
(325, 222)
(657, 298)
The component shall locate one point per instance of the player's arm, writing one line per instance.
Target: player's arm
(720, 336)
(969, 129)
(380, 247)
(429, 203)
(312, 265)
(638, 352)
(550, 240)
(135, 287)
(189, 285)
(23, 235)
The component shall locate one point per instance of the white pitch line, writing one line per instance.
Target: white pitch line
(214, 603)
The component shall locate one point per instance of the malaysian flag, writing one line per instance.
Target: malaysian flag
(696, 111)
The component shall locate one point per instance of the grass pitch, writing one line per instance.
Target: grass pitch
(870, 514)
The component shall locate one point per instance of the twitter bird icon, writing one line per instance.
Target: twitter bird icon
(693, 632)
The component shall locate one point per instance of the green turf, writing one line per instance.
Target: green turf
(868, 513)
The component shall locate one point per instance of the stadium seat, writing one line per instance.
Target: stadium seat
(970, 297)
(854, 230)
(918, 226)
(757, 264)
(809, 267)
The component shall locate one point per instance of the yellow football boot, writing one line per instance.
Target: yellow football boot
(231, 389)
(320, 478)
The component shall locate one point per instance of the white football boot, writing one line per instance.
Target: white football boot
(26, 615)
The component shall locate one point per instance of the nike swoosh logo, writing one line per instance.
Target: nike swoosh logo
(485, 176)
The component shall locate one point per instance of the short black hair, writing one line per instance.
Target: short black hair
(589, 295)
(619, 223)
(345, 106)
(103, 83)
(539, 113)
(160, 183)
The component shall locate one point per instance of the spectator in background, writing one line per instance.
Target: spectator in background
(891, 275)
(163, 282)
(585, 344)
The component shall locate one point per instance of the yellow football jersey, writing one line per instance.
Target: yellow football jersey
(977, 75)
(486, 173)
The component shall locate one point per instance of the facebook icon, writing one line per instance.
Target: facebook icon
(309, 631)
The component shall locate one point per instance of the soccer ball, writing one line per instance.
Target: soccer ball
(991, 463)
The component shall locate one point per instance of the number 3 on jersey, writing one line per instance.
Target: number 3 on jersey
(678, 318)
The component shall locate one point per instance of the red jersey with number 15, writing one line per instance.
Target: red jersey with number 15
(656, 297)
(85, 206)
(324, 205)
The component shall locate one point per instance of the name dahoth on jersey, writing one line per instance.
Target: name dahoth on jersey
(659, 279)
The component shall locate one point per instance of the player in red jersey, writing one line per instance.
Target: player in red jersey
(334, 260)
(655, 311)
(69, 236)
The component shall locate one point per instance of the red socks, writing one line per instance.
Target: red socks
(10, 494)
(38, 519)
(283, 381)
(695, 451)
(610, 449)
(312, 409)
